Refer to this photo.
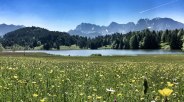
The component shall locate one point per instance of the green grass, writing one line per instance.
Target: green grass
(38, 47)
(80, 79)
(106, 47)
(72, 47)
(165, 46)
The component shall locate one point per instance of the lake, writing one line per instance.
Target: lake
(106, 52)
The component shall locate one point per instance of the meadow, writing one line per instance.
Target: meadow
(45, 78)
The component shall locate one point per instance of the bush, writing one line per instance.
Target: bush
(96, 54)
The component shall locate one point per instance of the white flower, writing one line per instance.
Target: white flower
(110, 90)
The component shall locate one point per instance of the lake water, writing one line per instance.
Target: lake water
(108, 52)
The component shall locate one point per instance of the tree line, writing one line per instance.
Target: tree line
(31, 37)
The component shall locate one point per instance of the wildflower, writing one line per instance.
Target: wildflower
(10, 68)
(169, 84)
(33, 82)
(136, 90)
(142, 99)
(93, 95)
(165, 92)
(176, 83)
(35, 95)
(157, 98)
(133, 81)
(16, 77)
(79, 85)
(110, 90)
(94, 89)
(49, 94)
(119, 94)
(118, 76)
(101, 75)
(98, 97)
(81, 94)
(51, 71)
(89, 97)
(42, 100)
(20, 81)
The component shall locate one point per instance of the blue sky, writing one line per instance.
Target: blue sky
(63, 15)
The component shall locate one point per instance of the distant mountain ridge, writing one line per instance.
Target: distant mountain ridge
(4, 28)
(92, 30)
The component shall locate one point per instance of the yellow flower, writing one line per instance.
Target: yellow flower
(169, 84)
(101, 75)
(142, 99)
(35, 95)
(119, 94)
(42, 100)
(136, 90)
(94, 89)
(98, 97)
(81, 94)
(165, 92)
(89, 97)
(133, 81)
(16, 77)
(79, 85)
(51, 71)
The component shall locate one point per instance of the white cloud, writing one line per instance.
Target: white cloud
(158, 6)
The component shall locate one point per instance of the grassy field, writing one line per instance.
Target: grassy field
(45, 78)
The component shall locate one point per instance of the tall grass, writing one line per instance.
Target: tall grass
(90, 79)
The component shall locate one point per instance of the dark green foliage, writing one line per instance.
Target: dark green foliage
(32, 37)
(134, 43)
(126, 43)
(96, 55)
(165, 36)
(176, 40)
(47, 46)
(150, 40)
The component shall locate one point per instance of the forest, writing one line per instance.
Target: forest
(32, 37)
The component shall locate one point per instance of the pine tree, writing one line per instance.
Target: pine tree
(176, 42)
(134, 43)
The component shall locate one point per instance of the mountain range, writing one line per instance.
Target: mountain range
(4, 28)
(92, 30)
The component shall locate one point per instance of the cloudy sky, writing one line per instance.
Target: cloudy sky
(63, 15)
